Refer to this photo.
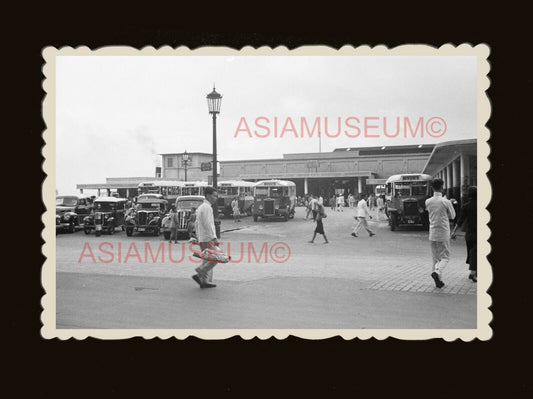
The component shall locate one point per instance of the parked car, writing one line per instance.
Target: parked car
(108, 214)
(184, 205)
(147, 215)
(70, 211)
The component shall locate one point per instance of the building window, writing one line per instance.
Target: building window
(169, 162)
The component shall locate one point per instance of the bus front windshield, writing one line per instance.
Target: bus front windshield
(190, 191)
(228, 190)
(405, 189)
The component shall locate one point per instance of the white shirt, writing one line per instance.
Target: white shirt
(440, 212)
(205, 223)
(362, 209)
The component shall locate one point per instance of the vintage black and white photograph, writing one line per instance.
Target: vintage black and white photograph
(266, 192)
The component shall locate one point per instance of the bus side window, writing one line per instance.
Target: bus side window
(389, 189)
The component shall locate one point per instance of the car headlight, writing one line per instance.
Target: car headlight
(260, 206)
(66, 216)
(420, 210)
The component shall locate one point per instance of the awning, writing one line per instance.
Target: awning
(444, 153)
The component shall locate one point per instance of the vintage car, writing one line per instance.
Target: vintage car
(70, 210)
(146, 216)
(108, 214)
(184, 207)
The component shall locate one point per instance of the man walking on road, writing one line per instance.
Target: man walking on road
(361, 213)
(440, 213)
(206, 233)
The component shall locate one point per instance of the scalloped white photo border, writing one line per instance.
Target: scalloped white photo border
(484, 315)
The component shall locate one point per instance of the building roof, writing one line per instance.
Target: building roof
(446, 152)
(188, 153)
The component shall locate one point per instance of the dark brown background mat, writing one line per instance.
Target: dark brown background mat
(371, 368)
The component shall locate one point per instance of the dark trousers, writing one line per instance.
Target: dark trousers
(471, 257)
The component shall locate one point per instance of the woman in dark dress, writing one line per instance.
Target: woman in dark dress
(319, 226)
(468, 219)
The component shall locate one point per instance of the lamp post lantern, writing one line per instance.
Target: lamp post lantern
(214, 101)
(185, 161)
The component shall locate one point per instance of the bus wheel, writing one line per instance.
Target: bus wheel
(393, 221)
(255, 218)
(87, 230)
(111, 230)
(129, 231)
(285, 217)
(156, 232)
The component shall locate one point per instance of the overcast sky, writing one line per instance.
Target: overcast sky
(115, 114)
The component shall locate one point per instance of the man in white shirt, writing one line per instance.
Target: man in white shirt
(381, 207)
(340, 203)
(312, 207)
(361, 213)
(440, 212)
(206, 234)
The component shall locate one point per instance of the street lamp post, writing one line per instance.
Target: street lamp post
(185, 161)
(214, 101)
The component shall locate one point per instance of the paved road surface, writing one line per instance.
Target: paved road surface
(359, 283)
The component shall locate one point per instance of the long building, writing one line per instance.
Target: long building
(342, 171)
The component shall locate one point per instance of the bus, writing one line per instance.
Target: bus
(228, 190)
(380, 190)
(169, 189)
(274, 199)
(406, 200)
(193, 188)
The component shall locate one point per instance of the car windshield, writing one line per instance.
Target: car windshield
(66, 201)
(150, 205)
(104, 206)
(188, 204)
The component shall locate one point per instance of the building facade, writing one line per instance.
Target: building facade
(455, 162)
(342, 171)
(175, 167)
